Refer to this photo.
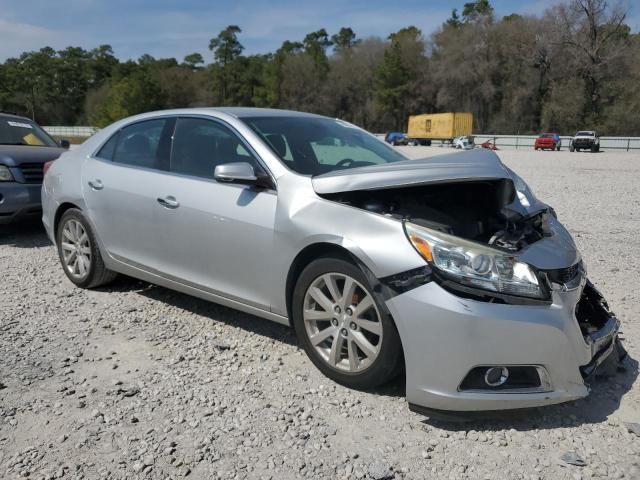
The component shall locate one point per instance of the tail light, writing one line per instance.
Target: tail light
(46, 166)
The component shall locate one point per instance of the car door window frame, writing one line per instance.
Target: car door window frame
(245, 144)
(166, 135)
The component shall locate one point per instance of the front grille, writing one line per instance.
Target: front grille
(32, 172)
(565, 275)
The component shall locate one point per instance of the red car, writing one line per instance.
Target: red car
(548, 141)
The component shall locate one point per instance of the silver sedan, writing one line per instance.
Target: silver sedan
(447, 270)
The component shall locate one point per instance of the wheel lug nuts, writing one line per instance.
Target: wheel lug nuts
(334, 322)
(336, 309)
(353, 326)
(344, 332)
(349, 311)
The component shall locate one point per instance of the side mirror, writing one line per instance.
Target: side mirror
(237, 172)
(64, 143)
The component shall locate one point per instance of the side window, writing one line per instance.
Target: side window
(140, 144)
(199, 145)
(107, 150)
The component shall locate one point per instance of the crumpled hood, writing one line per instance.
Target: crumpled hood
(14, 155)
(476, 164)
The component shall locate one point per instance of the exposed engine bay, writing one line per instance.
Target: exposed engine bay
(480, 210)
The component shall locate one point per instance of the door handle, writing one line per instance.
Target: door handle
(168, 202)
(96, 184)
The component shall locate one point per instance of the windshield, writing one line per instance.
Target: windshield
(584, 134)
(316, 145)
(20, 131)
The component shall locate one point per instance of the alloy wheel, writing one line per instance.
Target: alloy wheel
(342, 322)
(76, 249)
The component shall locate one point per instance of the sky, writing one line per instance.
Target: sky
(174, 28)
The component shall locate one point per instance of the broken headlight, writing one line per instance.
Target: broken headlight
(474, 265)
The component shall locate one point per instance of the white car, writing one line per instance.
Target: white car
(463, 143)
(445, 269)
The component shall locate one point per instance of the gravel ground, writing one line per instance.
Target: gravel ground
(136, 381)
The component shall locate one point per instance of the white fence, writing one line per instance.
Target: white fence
(527, 141)
(71, 131)
(503, 141)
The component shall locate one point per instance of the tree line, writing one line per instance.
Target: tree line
(574, 66)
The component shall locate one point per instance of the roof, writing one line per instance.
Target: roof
(11, 115)
(244, 112)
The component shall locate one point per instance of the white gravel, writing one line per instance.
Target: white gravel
(136, 381)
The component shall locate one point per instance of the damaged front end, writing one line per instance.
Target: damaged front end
(471, 233)
(599, 327)
(503, 287)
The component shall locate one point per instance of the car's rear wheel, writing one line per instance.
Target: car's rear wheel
(79, 253)
(345, 329)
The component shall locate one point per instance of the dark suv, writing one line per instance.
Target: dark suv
(24, 149)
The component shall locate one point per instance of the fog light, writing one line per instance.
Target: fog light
(496, 376)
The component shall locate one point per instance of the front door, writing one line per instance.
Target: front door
(215, 236)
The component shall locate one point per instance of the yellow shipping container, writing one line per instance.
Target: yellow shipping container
(440, 126)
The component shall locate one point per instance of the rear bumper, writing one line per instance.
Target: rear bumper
(19, 201)
(444, 337)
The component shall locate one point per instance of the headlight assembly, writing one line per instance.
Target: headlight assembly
(474, 265)
(5, 174)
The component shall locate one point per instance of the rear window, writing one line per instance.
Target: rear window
(585, 134)
(144, 144)
(108, 149)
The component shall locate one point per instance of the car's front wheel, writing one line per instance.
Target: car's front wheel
(345, 329)
(79, 253)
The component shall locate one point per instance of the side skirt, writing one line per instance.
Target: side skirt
(157, 279)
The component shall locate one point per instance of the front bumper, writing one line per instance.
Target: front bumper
(445, 336)
(19, 201)
(586, 144)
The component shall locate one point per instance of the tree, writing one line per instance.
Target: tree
(454, 20)
(477, 11)
(315, 45)
(227, 51)
(595, 35)
(344, 40)
(194, 61)
(225, 46)
(121, 98)
(399, 79)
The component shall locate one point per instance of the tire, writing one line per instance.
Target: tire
(91, 271)
(571, 148)
(558, 148)
(535, 148)
(593, 149)
(338, 326)
(577, 149)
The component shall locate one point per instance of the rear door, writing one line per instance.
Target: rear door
(118, 189)
(216, 236)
